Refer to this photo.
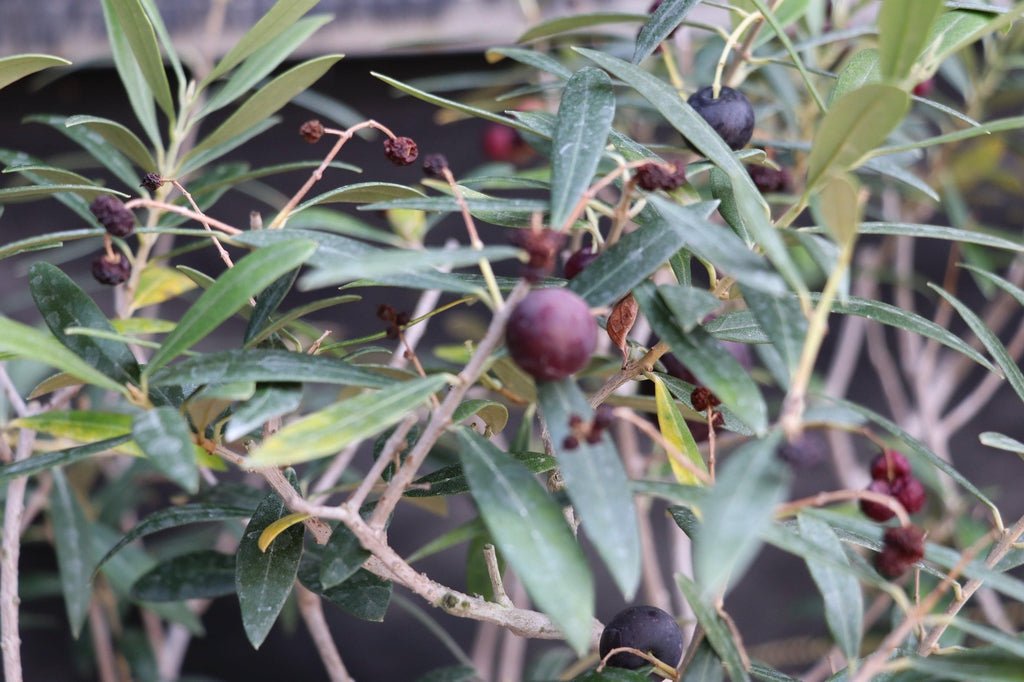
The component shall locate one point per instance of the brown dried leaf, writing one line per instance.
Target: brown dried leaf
(620, 322)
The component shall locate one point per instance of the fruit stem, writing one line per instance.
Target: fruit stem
(669, 57)
(817, 328)
(730, 43)
(822, 499)
(474, 240)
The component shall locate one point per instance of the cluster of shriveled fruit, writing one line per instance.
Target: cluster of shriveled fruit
(891, 475)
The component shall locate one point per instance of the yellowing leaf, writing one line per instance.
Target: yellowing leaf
(271, 532)
(840, 207)
(677, 433)
(158, 284)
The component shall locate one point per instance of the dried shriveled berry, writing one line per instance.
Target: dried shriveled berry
(910, 492)
(111, 272)
(434, 165)
(889, 465)
(401, 151)
(730, 115)
(113, 215)
(311, 131)
(655, 176)
(875, 510)
(551, 334)
(770, 180)
(578, 261)
(701, 399)
(151, 182)
(901, 548)
(645, 628)
(542, 247)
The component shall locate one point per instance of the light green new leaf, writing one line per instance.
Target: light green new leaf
(844, 603)
(581, 130)
(119, 137)
(996, 241)
(997, 126)
(74, 559)
(30, 343)
(857, 123)
(530, 531)
(559, 25)
(663, 21)
(128, 70)
(596, 482)
(259, 65)
(325, 432)
(903, 30)
(231, 291)
(278, 19)
(839, 207)
(138, 31)
(21, 65)
(692, 125)
(861, 69)
(264, 580)
(266, 101)
(493, 414)
(991, 342)
(84, 426)
(991, 439)
(747, 489)
(165, 438)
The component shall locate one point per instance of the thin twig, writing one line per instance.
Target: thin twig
(205, 220)
(824, 498)
(312, 610)
(174, 208)
(10, 639)
(101, 644)
(494, 574)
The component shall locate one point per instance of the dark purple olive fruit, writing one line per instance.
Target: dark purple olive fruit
(730, 115)
(578, 261)
(910, 492)
(111, 272)
(551, 334)
(645, 628)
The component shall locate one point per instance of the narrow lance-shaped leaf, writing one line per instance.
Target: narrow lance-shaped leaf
(332, 428)
(530, 531)
(278, 19)
(664, 20)
(596, 482)
(139, 94)
(63, 304)
(857, 123)
(21, 65)
(231, 291)
(205, 574)
(164, 437)
(713, 366)
(120, 137)
(581, 129)
(844, 603)
(266, 101)
(26, 342)
(173, 517)
(783, 321)
(903, 30)
(692, 125)
(269, 401)
(746, 490)
(991, 342)
(74, 558)
(263, 580)
(48, 460)
(673, 427)
(138, 31)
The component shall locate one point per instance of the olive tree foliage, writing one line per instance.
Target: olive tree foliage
(880, 128)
